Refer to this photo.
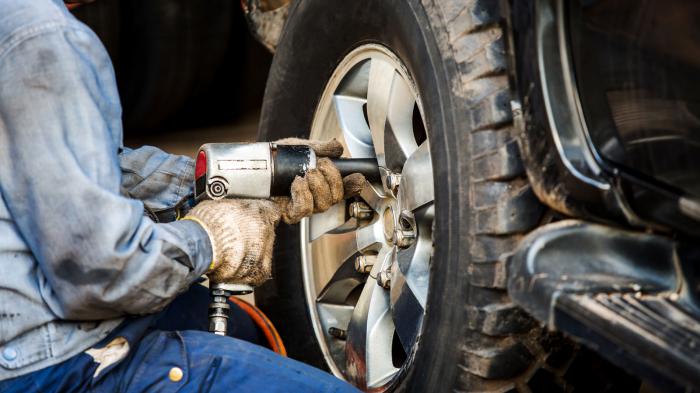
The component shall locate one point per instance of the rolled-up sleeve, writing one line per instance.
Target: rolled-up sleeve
(60, 176)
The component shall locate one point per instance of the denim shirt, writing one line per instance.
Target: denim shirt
(77, 253)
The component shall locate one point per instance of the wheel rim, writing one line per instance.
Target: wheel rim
(366, 262)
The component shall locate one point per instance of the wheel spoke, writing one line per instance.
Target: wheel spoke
(329, 252)
(332, 250)
(336, 316)
(381, 78)
(414, 262)
(342, 283)
(372, 195)
(351, 119)
(416, 187)
(410, 279)
(413, 267)
(406, 311)
(369, 237)
(332, 220)
(370, 333)
(399, 141)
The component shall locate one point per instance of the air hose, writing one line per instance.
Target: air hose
(264, 324)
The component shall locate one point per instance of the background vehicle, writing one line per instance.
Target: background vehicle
(179, 63)
(540, 167)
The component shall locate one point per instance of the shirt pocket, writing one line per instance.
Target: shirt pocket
(27, 349)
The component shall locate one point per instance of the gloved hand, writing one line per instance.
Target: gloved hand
(242, 233)
(320, 188)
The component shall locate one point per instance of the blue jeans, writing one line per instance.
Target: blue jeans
(173, 339)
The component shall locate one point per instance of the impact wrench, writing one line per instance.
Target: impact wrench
(256, 170)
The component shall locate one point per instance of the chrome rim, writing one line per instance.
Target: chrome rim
(366, 262)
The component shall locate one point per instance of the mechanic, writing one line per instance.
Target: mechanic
(87, 280)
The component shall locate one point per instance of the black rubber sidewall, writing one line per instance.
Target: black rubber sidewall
(318, 35)
(104, 19)
(170, 49)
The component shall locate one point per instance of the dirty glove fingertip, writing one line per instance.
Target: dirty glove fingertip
(301, 204)
(353, 184)
(322, 198)
(332, 149)
(333, 177)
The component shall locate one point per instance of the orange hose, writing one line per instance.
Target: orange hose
(263, 322)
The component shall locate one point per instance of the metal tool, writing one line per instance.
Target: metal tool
(262, 169)
(219, 308)
(256, 170)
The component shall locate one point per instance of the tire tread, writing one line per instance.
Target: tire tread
(501, 350)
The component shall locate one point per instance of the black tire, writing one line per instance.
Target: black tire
(170, 50)
(104, 19)
(474, 337)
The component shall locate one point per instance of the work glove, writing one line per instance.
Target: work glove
(242, 233)
(320, 188)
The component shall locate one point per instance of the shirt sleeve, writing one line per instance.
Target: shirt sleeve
(60, 177)
(163, 182)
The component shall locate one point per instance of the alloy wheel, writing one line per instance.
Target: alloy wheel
(366, 262)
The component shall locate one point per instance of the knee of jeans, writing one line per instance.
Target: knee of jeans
(251, 367)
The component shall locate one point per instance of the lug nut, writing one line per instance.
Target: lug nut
(340, 334)
(384, 279)
(392, 182)
(405, 238)
(364, 263)
(360, 210)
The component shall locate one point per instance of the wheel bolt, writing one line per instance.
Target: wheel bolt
(360, 210)
(405, 238)
(364, 263)
(340, 334)
(392, 182)
(384, 279)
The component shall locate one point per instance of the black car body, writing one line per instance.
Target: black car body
(610, 134)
